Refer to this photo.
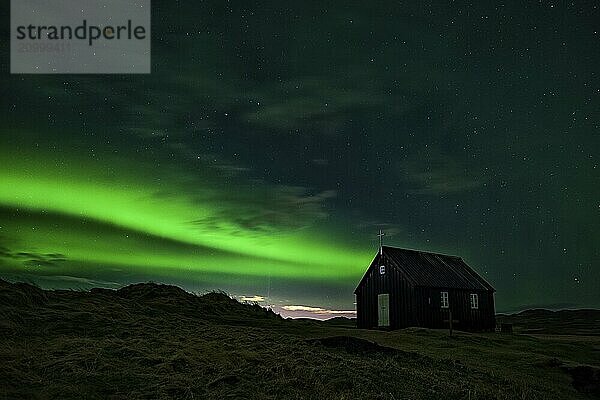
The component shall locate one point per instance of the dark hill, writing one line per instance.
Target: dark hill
(20, 295)
(26, 308)
(561, 322)
(151, 291)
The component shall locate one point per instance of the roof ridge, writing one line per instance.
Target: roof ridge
(422, 251)
(471, 272)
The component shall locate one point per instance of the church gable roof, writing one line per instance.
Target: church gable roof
(435, 270)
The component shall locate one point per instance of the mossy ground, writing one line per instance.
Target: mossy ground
(158, 342)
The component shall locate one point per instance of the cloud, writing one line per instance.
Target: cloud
(33, 259)
(316, 104)
(438, 174)
(60, 281)
(300, 311)
(5, 252)
(301, 308)
(255, 206)
(268, 208)
(81, 280)
(253, 299)
(224, 168)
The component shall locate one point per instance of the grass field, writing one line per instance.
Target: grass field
(152, 342)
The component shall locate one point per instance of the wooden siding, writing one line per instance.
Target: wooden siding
(430, 314)
(392, 283)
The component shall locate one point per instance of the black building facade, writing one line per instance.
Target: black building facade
(403, 288)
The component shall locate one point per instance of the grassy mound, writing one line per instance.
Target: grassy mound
(151, 341)
(574, 322)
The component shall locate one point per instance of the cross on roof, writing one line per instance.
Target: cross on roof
(381, 235)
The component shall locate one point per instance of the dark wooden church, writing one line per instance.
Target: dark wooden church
(403, 288)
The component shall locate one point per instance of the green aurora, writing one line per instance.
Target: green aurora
(163, 211)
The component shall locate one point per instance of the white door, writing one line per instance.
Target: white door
(383, 305)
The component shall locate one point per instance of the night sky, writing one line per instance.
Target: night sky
(274, 139)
